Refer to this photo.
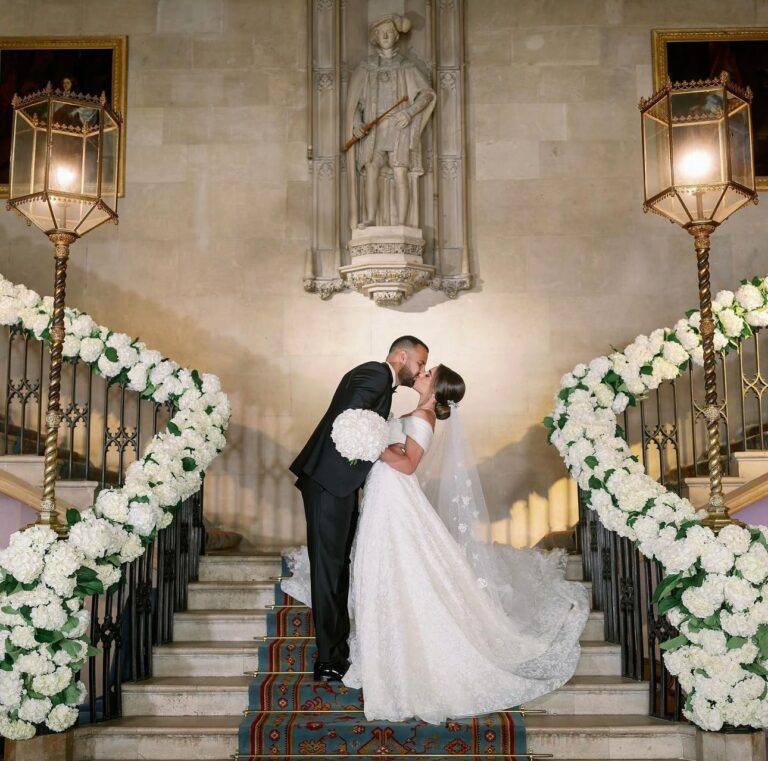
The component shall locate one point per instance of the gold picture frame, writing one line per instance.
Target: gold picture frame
(692, 54)
(92, 64)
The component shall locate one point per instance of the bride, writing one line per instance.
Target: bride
(444, 622)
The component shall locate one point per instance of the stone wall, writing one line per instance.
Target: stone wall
(207, 260)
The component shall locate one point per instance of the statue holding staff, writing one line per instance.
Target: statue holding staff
(389, 103)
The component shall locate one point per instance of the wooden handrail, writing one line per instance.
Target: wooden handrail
(748, 494)
(22, 491)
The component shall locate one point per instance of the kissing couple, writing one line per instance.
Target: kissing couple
(411, 600)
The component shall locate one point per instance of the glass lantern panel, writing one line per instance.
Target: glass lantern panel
(67, 162)
(671, 207)
(96, 217)
(697, 105)
(110, 143)
(91, 166)
(75, 117)
(658, 176)
(39, 213)
(68, 212)
(698, 153)
(22, 157)
(732, 201)
(740, 142)
(701, 204)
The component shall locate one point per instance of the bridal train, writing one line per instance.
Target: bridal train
(430, 638)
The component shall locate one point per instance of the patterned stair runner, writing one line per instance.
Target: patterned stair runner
(292, 716)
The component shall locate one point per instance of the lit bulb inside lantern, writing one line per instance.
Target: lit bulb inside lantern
(65, 177)
(694, 166)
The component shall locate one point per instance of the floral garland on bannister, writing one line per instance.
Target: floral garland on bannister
(44, 582)
(714, 591)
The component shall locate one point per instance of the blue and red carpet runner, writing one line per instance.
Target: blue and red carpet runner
(292, 716)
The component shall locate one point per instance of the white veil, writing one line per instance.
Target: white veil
(514, 578)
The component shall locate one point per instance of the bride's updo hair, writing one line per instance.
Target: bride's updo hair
(449, 387)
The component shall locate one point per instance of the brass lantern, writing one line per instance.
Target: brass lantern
(698, 169)
(64, 164)
(64, 161)
(697, 151)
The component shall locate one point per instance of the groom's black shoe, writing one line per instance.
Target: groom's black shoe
(329, 672)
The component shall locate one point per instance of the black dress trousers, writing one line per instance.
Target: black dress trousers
(329, 487)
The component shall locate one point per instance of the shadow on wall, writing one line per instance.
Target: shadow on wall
(526, 501)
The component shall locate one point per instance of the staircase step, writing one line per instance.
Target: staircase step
(220, 625)
(594, 631)
(239, 566)
(228, 595)
(599, 659)
(697, 488)
(211, 658)
(574, 568)
(171, 738)
(610, 736)
(596, 695)
(751, 464)
(186, 696)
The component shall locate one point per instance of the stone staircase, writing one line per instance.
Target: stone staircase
(192, 707)
(747, 465)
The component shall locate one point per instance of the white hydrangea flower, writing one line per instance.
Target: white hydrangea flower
(91, 349)
(34, 710)
(753, 565)
(735, 538)
(53, 683)
(749, 297)
(61, 717)
(731, 322)
(112, 504)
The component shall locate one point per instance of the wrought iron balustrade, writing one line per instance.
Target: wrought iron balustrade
(105, 427)
(667, 432)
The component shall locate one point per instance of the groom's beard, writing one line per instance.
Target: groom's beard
(405, 377)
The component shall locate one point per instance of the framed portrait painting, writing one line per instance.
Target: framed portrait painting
(89, 65)
(691, 54)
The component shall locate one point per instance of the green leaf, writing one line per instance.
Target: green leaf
(71, 648)
(673, 644)
(669, 603)
(762, 640)
(71, 694)
(189, 464)
(646, 370)
(93, 650)
(46, 635)
(111, 353)
(86, 574)
(595, 483)
(548, 422)
(197, 379)
(176, 431)
(591, 461)
(564, 394)
(73, 516)
(734, 643)
(755, 668)
(665, 587)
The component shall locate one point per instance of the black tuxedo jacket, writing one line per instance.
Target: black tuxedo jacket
(366, 387)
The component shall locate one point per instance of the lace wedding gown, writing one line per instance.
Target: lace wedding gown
(427, 638)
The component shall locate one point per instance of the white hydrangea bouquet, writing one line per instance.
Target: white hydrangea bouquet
(44, 581)
(715, 590)
(360, 435)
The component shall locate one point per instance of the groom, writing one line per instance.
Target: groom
(329, 484)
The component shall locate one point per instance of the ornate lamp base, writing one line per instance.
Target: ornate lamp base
(387, 263)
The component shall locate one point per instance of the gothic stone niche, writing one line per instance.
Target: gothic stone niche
(388, 213)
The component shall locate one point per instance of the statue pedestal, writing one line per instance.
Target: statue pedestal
(387, 263)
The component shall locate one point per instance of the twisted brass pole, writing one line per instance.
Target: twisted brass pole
(717, 514)
(48, 513)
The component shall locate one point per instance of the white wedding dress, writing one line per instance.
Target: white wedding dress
(429, 637)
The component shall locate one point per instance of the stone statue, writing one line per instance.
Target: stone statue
(387, 81)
